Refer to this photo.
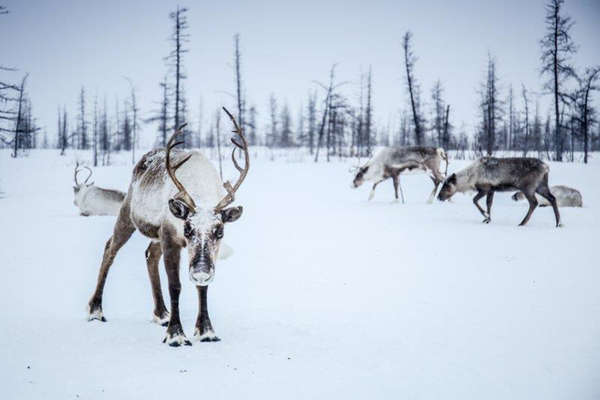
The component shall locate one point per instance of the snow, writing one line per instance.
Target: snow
(326, 296)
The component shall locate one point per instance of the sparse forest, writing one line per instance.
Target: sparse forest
(330, 123)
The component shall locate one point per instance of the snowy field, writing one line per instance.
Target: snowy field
(327, 295)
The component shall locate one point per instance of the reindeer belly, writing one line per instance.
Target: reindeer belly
(147, 229)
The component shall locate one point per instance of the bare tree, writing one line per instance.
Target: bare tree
(413, 87)
(329, 89)
(369, 115)
(238, 81)
(21, 136)
(252, 124)
(286, 139)
(82, 134)
(95, 133)
(175, 58)
(584, 114)
(446, 134)
(312, 120)
(557, 49)
(490, 108)
(162, 115)
(438, 120)
(526, 105)
(134, 118)
(273, 135)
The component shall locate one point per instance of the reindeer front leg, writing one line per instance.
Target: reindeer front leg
(488, 201)
(372, 194)
(171, 251)
(122, 232)
(153, 254)
(476, 199)
(204, 331)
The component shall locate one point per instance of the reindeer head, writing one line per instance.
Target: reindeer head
(203, 228)
(79, 188)
(359, 178)
(448, 189)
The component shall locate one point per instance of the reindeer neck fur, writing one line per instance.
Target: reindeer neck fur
(467, 178)
(152, 188)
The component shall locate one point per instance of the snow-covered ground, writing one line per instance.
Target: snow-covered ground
(326, 296)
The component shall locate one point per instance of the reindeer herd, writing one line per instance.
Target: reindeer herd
(177, 200)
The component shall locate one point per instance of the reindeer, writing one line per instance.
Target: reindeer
(489, 175)
(393, 161)
(93, 200)
(176, 199)
(565, 197)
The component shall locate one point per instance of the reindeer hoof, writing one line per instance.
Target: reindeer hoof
(96, 314)
(487, 220)
(162, 321)
(208, 336)
(176, 340)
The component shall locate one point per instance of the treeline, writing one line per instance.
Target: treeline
(329, 123)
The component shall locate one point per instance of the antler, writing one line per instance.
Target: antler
(183, 195)
(77, 171)
(240, 143)
(89, 176)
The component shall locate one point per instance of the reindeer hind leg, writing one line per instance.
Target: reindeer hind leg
(532, 205)
(544, 191)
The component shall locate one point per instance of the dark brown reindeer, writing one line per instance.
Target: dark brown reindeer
(176, 199)
(489, 175)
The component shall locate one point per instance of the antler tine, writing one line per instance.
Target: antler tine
(183, 195)
(75, 171)
(239, 142)
(89, 176)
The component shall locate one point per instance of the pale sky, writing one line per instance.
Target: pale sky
(64, 44)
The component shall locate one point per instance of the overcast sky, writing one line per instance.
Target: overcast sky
(64, 44)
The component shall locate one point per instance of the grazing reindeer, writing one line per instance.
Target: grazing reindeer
(392, 161)
(93, 200)
(489, 175)
(565, 197)
(176, 210)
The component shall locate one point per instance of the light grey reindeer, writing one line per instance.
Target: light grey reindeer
(390, 162)
(565, 197)
(489, 175)
(94, 200)
(177, 200)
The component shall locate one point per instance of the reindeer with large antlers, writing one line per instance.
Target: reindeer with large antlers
(176, 199)
(94, 200)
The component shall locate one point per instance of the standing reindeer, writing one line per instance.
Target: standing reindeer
(393, 161)
(93, 200)
(176, 199)
(489, 175)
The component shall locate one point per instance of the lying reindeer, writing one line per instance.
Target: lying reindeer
(565, 197)
(176, 210)
(393, 161)
(489, 175)
(93, 200)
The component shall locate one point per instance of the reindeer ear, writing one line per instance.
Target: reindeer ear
(231, 214)
(178, 208)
